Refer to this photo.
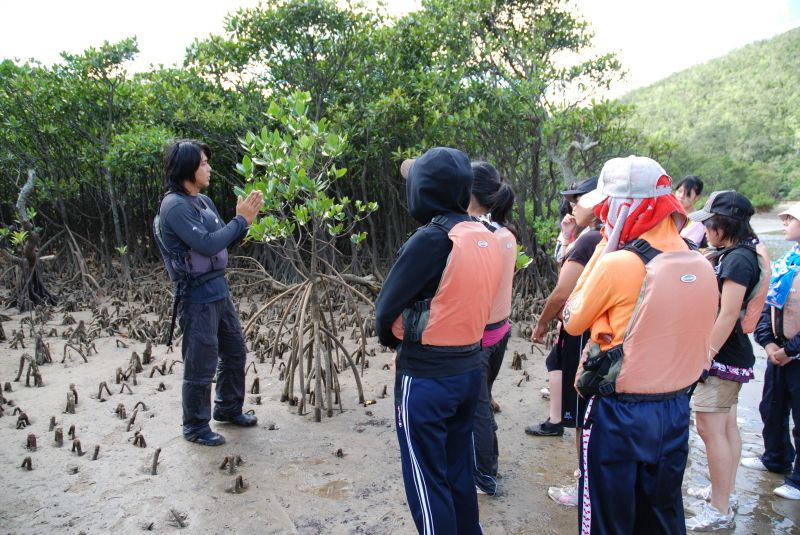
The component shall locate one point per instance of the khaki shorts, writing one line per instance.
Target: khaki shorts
(715, 395)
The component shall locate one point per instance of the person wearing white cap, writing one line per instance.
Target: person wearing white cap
(643, 356)
(778, 331)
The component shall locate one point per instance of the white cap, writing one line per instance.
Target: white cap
(634, 177)
(794, 211)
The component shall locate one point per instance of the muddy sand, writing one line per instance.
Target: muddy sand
(338, 476)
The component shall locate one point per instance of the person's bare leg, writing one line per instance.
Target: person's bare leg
(554, 383)
(711, 426)
(735, 442)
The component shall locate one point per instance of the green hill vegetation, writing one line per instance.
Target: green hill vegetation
(735, 120)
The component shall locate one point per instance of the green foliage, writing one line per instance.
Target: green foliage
(735, 120)
(522, 260)
(18, 237)
(479, 75)
(293, 165)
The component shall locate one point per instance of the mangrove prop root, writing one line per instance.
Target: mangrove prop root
(178, 519)
(59, 437)
(132, 419)
(231, 460)
(239, 485)
(124, 386)
(23, 421)
(120, 343)
(75, 392)
(120, 411)
(71, 431)
(256, 400)
(30, 444)
(27, 464)
(7, 387)
(161, 387)
(138, 440)
(153, 469)
(70, 403)
(100, 388)
(76, 349)
(96, 452)
(253, 365)
(52, 423)
(384, 393)
(174, 362)
(256, 388)
(76, 447)
(147, 354)
(144, 407)
(136, 363)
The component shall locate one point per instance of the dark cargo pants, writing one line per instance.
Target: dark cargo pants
(212, 343)
(781, 397)
(484, 431)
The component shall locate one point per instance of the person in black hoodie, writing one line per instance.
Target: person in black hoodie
(433, 308)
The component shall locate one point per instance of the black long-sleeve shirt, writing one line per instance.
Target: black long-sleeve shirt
(191, 226)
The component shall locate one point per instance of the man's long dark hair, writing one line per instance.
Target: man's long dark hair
(181, 160)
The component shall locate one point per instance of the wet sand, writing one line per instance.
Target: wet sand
(297, 482)
(340, 476)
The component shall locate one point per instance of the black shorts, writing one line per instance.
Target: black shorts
(565, 356)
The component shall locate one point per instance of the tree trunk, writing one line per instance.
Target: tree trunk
(29, 288)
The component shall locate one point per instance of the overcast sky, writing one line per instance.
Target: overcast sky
(653, 38)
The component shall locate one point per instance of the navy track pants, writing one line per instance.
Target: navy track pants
(780, 397)
(632, 462)
(212, 344)
(434, 419)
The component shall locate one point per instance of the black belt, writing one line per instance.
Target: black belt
(635, 398)
(496, 325)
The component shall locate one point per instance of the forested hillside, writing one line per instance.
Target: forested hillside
(735, 120)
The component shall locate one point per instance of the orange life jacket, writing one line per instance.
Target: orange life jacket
(457, 314)
(501, 309)
(665, 345)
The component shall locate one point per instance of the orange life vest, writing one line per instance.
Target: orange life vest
(501, 309)
(457, 314)
(665, 345)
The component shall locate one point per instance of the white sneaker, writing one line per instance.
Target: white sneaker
(754, 463)
(564, 495)
(545, 392)
(789, 492)
(704, 493)
(710, 519)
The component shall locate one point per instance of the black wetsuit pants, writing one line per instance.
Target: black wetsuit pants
(212, 344)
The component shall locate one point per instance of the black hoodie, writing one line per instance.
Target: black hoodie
(439, 183)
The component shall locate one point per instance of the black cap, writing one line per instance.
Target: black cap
(582, 187)
(726, 202)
